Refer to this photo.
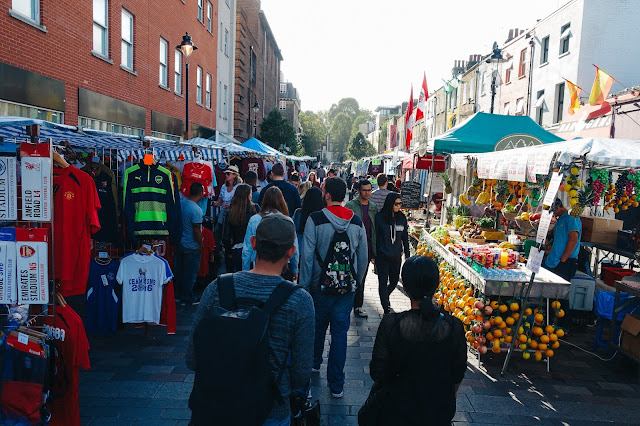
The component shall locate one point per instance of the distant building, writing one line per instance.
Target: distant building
(289, 105)
(226, 68)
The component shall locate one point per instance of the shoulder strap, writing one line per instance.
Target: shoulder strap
(435, 327)
(279, 296)
(227, 292)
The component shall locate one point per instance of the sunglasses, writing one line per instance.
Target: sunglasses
(229, 173)
(397, 204)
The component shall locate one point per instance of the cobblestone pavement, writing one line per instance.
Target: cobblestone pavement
(137, 380)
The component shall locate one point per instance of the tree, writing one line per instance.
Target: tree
(276, 132)
(340, 132)
(360, 147)
(348, 106)
(314, 132)
(364, 117)
(384, 133)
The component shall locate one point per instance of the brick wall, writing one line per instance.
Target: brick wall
(64, 53)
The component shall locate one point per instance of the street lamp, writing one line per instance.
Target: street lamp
(256, 108)
(495, 58)
(186, 47)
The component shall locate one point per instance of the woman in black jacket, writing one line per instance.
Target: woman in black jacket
(235, 226)
(392, 238)
(419, 358)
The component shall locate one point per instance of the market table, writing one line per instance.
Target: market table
(627, 287)
(611, 251)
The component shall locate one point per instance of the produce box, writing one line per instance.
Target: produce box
(600, 230)
(631, 335)
(612, 274)
(493, 236)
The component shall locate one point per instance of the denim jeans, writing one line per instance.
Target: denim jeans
(277, 422)
(334, 310)
(187, 263)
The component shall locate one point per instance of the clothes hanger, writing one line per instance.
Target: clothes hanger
(59, 160)
(60, 300)
(144, 249)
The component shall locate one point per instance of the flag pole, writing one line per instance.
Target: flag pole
(581, 89)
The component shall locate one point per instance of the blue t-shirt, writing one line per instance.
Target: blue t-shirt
(103, 301)
(191, 214)
(564, 226)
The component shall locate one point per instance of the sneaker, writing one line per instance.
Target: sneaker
(337, 394)
(360, 313)
(195, 302)
(315, 370)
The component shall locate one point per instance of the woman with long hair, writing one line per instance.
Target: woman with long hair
(419, 357)
(392, 239)
(273, 202)
(303, 188)
(314, 179)
(312, 202)
(235, 226)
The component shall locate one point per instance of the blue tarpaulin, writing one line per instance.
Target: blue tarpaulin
(257, 145)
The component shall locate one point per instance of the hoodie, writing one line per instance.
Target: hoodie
(318, 234)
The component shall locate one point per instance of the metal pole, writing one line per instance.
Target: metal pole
(186, 96)
(493, 91)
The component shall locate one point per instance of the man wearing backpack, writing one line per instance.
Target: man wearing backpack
(333, 262)
(252, 338)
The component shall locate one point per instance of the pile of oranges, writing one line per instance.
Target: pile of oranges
(491, 324)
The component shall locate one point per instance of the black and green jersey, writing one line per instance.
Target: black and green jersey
(151, 203)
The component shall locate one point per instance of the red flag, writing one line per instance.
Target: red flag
(574, 93)
(422, 99)
(408, 120)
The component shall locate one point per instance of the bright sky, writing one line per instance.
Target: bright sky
(373, 50)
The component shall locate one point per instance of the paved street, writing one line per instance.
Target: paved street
(138, 381)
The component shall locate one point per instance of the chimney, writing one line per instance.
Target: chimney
(510, 35)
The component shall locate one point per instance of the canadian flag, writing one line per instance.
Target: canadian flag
(422, 99)
(408, 120)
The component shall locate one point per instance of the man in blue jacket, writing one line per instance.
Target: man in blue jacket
(334, 309)
(289, 191)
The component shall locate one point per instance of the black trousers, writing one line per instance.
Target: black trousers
(358, 298)
(388, 276)
(566, 270)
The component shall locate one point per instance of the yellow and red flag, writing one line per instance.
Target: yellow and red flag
(574, 95)
(601, 87)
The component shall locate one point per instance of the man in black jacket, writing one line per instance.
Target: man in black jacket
(290, 192)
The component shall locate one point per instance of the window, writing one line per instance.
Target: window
(19, 110)
(166, 136)
(100, 27)
(177, 77)
(519, 107)
(559, 102)
(221, 38)
(28, 8)
(127, 40)
(253, 66)
(523, 63)
(199, 85)
(464, 93)
(565, 33)
(544, 50)
(209, 16)
(225, 112)
(507, 74)
(283, 105)
(505, 111)
(539, 107)
(164, 62)
(208, 92)
(483, 86)
(226, 42)
(283, 87)
(200, 11)
(106, 126)
(472, 89)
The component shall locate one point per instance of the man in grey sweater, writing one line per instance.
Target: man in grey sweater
(291, 326)
(334, 309)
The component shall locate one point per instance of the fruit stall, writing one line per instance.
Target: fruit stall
(502, 216)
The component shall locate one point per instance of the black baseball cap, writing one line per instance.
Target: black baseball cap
(276, 229)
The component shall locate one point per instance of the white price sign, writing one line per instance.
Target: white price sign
(518, 168)
(543, 227)
(542, 162)
(535, 260)
(554, 185)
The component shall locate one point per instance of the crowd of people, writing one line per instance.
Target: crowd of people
(295, 256)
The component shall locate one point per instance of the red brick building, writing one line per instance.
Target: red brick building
(258, 60)
(110, 64)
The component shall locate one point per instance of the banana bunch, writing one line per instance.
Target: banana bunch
(506, 245)
(484, 197)
(464, 200)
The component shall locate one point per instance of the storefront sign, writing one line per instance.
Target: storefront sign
(411, 195)
(32, 266)
(8, 285)
(516, 141)
(36, 181)
(8, 189)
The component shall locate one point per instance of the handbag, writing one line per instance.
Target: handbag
(303, 411)
(381, 396)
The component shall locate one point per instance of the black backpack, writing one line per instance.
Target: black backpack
(233, 382)
(337, 275)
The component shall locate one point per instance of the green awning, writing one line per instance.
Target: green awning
(491, 132)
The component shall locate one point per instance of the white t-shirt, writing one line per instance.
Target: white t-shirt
(142, 277)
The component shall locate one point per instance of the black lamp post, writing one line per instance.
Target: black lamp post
(256, 108)
(186, 47)
(495, 58)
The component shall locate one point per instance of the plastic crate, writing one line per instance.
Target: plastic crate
(581, 292)
(611, 274)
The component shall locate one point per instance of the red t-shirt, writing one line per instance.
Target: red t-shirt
(196, 172)
(207, 248)
(75, 210)
(255, 165)
(74, 347)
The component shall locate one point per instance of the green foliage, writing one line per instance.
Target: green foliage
(340, 132)
(362, 118)
(360, 148)
(276, 132)
(348, 106)
(314, 132)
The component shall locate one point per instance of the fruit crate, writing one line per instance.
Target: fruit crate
(611, 274)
